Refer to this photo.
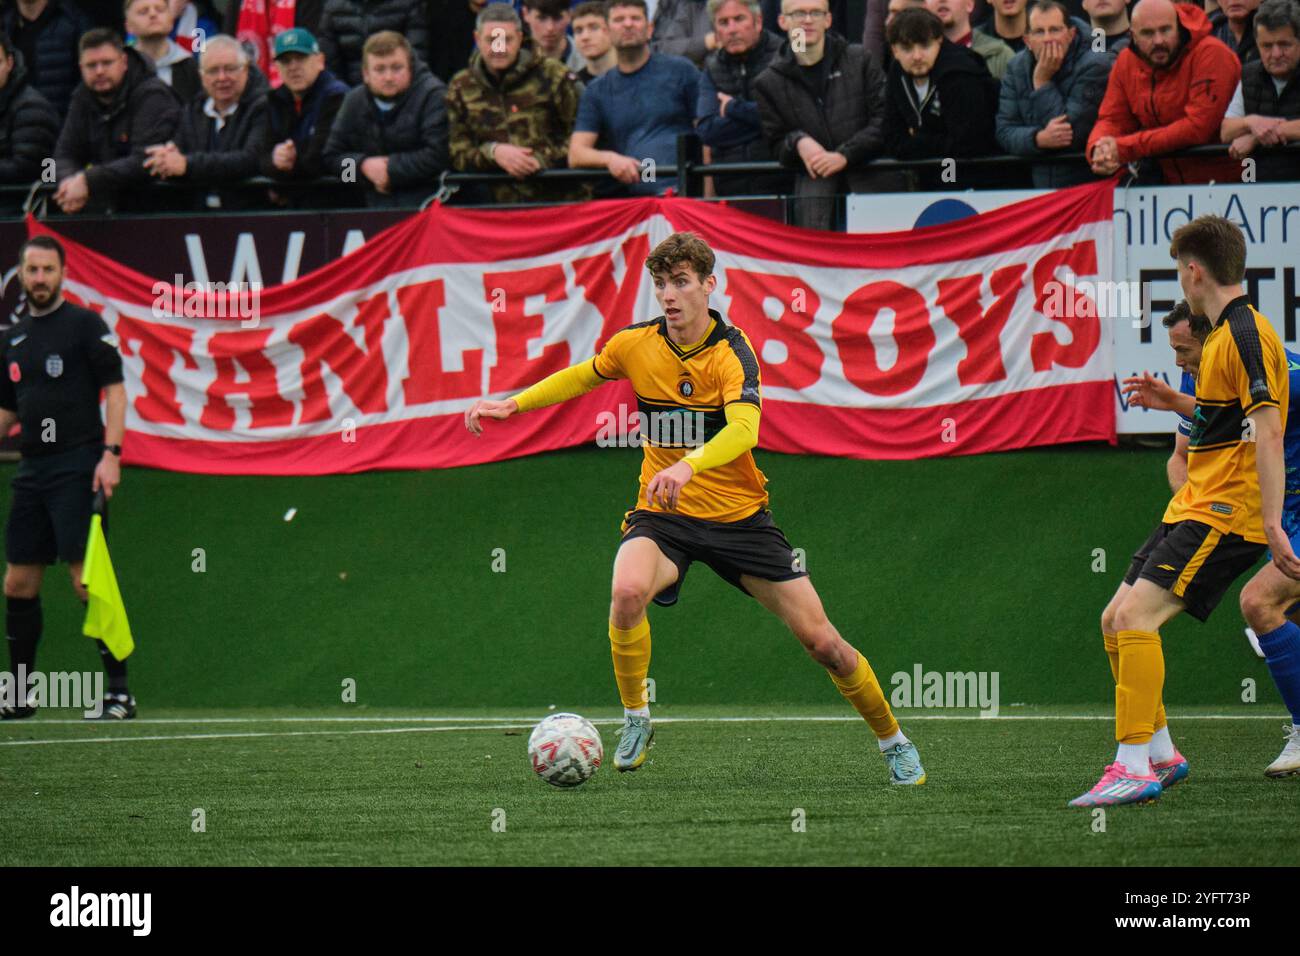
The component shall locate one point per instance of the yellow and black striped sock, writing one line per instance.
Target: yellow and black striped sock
(1112, 652)
(1141, 680)
(862, 690)
(631, 651)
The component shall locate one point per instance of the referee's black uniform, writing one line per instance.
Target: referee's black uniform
(52, 369)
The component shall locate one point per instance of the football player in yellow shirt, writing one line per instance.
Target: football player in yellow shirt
(702, 497)
(1219, 522)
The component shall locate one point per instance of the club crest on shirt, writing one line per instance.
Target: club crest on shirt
(15, 373)
(53, 365)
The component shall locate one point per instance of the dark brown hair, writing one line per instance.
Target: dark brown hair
(1182, 312)
(1216, 244)
(681, 247)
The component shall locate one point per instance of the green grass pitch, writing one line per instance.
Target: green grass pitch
(385, 582)
(415, 792)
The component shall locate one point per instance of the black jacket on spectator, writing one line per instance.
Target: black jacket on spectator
(1075, 91)
(309, 128)
(29, 128)
(738, 136)
(346, 24)
(847, 116)
(413, 135)
(186, 82)
(52, 60)
(451, 37)
(955, 120)
(1262, 98)
(111, 137)
(1246, 50)
(217, 157)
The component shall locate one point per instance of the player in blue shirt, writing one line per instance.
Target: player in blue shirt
(1270, 601)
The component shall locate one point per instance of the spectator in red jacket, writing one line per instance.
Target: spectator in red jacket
(1168, 91)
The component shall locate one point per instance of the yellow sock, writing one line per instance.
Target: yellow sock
(631, 651)
(1112, 651)
(862, 690)
(1141, 679)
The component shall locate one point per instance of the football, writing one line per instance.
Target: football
(565, 750)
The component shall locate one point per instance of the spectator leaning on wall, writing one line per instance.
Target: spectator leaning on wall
(727, 116)
(512, 110)
(1167, 91)
(1265, 110)
(940, 100)
(119, 109)
(221, 131)
(1050, 95)
(390, 135)
(637, 110)
(823, 111)
(29, 126)
(299, 115)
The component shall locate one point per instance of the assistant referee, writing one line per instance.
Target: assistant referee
(53, 364)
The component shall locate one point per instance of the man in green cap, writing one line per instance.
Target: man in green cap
(299, 114)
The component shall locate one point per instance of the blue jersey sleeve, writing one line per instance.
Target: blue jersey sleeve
(1187, 387)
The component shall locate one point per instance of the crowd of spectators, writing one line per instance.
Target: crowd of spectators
(335, 100)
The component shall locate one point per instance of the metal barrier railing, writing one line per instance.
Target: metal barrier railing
(690, 170)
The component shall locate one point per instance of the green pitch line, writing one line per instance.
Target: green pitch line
(712, 792)
(978, 564)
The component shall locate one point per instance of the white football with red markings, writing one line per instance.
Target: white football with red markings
(565, 750)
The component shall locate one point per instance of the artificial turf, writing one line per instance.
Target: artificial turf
(713, 792)
(385, 583)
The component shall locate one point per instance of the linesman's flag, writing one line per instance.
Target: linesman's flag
(105, 613)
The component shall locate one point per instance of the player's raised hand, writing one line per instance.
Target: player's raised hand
(666, 487)
(485, 408)
(1147, 391)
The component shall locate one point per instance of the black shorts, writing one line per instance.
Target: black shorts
(753, 545)
(49, 512)
(1194, 562)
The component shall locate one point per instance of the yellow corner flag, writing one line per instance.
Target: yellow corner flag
(105, 613)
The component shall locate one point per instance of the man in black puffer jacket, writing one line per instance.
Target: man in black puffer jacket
(347, 24)
(941, 103)
(28, 125)
(726, 117)
(221, 132)
(391, 134)
(823, 115)
(47, 33)
(119, 109)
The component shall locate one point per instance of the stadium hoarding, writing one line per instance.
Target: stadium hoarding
(976, 338)
(1145, 220)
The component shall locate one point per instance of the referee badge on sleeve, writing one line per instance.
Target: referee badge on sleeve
(53, 365)
(15, 372)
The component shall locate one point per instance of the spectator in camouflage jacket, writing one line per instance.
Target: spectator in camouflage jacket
(512, 110)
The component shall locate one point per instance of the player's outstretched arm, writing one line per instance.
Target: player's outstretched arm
(1147, 391)
(738, 436)
(560, 387)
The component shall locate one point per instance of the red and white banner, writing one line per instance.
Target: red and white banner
(969, 337)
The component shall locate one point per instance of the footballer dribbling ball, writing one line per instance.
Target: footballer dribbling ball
(565, 750)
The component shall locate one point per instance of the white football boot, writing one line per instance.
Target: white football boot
(1288, 761)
